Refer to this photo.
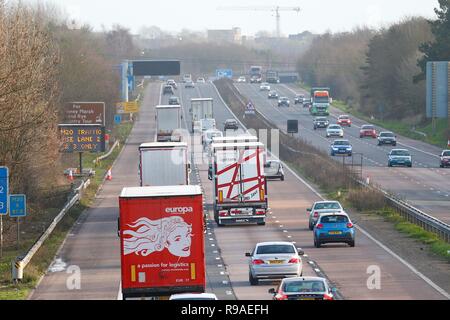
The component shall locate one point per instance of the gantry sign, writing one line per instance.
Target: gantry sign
(141, 68)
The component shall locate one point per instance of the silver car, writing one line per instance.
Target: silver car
(274, 260)
(322, 207)
(335, 130)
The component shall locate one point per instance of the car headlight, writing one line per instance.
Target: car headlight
(349, 148)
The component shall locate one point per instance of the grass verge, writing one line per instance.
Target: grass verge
(43, 258)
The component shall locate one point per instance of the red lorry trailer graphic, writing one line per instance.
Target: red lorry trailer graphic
(161, 240)
(240, 184)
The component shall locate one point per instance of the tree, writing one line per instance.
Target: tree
(437, 49)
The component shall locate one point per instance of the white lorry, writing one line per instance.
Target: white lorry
(240, 185)
(168, 120)
(164, 164)
(202, 108)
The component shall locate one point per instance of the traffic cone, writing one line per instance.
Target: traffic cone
(70, 176)
(109, 175)
(448, 143)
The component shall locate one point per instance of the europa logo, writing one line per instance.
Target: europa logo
(180, 210)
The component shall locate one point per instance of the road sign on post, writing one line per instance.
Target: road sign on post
(17, 205)
(127, 107)
(224, 73)
(82, 138)
(292, 126)
(84, 113)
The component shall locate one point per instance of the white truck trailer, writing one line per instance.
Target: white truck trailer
(202, 108)
(240, 185)
(164, 164)
(168, 120)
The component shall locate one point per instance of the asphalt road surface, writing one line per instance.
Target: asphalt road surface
(425, 185)
(93, 245)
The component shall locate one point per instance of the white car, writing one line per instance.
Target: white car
(241, 79)
(201, 80)
(207, 124)
(193, 296)
(335, 130)
(208, 137)
(274, 260)
(273, 169)
(189, 84)
(322, 207)
(264, 87)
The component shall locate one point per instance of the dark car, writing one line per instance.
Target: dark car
(387, 138)
(168, 89)
(283, 102)
(445, 159)
(174, 101)
(231, 124)
(320, 122)
(299, 99)
(273, 95)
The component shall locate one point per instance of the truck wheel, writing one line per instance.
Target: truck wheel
(253, 281)
(311, 227)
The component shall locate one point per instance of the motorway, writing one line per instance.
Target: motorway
(93, 245)
(426, 186)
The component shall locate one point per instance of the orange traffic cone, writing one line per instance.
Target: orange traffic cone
(70, 176)
(109, 175)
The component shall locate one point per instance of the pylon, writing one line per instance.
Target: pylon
(70, 176)
(109, 175)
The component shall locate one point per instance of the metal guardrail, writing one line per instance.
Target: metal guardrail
(116, 144)
(407, 211)
(414, 215)
(21, 262)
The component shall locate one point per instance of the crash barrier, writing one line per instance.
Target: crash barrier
(21, 262)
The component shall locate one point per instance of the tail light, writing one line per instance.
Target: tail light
(349, 225)
(316, 214)
(319, 226)
(295, 260)
(260, 212)
(328, 297)
(281, 296)
(223, 213)
(258, 262)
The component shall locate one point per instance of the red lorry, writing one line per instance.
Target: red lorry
(161, 241)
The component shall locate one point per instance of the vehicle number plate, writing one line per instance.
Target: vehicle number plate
(276, 262)
(335, 232)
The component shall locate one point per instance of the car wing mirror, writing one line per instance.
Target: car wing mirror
(300, 252)
(309, 209)
(271, 291)
(248, 254)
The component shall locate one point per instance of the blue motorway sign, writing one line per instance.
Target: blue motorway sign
(224, 73)
(17, 205)
(118, 119)
(4, 186)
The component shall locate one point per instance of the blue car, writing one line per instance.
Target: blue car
(400, 157)
(341, 147)
(334, 228)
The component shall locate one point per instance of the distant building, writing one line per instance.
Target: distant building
(306, 35)
(230, 36)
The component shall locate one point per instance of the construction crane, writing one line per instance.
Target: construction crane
(275, 9)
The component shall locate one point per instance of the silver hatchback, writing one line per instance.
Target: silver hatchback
(274, 260)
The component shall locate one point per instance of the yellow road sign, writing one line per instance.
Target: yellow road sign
(127, 107)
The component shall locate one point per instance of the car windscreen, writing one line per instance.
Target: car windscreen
(341, 143)
(334, 219)
(327, 205)
(446, 154)
(321, 119)
(343, 117)
(275, 249)
(312, 286)
(334, 127)
(386, 134)
(367, 128)
(400, 153)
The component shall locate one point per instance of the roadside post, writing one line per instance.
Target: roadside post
(18, 209)
(4, 189)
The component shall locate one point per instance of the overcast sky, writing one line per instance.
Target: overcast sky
(317, 16)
